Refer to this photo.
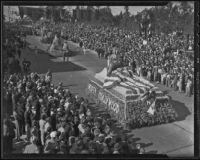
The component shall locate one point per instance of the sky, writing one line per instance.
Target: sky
(115, 9)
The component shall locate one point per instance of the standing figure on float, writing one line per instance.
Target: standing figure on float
(55, 44)
(113, 63)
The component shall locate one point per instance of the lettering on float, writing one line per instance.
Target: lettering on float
(112, 105)
(92, 89)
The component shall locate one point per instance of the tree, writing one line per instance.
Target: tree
(89, 13)
(47, 13)
(33, 13)
(126, 8)
(21, 12)
(126, 15)
(97, 14)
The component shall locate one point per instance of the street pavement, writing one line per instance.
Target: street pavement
(174, 139)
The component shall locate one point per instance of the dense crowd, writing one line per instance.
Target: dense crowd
(57, 121)
(14, 41)
(160, 58)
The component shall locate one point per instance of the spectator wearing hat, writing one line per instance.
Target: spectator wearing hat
(53, 120)
(16, 117)
(62, 148)
(96, 134)
(42, 123)
(28, 122)
(65, 51)
(35, 132)
(140, 149)
(8, 135)
(51, 145)
(124, 145)
(117, 148)
(47, 124)
(189, 87)
(180, 83)
(75, 125)
(102, 146)
(32, 148)
(77, 147)
(20, 112)
(174, 81)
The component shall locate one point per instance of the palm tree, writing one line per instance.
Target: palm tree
(126, 15)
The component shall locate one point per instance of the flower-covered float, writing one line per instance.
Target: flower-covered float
(132, 100)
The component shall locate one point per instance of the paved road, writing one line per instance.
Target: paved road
(174, 139)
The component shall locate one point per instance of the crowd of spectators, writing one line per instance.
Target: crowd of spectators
(160, 58)
(56, 121)
(14, 41)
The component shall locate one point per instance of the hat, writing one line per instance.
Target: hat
(76, 96)
(55, 91)
(66, 90)
(138, 146)
(101, 135)
(112, 134)
(53, 134)
(41, 100)
(50, 98)
(62, 101)
(33, 107)
(81, 116)
(71, 140)
(96, 132)
(117, 146)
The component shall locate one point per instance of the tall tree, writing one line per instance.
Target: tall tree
(126, 15)
(89, 13)
(97, 13)
(21, 12)
(47, 12)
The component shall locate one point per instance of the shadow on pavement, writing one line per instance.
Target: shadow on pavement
(179, 107)
(71, 85)
(151, 152)
(40, 63)
(181, 110)
(144, 145)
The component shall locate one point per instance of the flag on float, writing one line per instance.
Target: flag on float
(151, 109)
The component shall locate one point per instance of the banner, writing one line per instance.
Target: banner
(114, 105)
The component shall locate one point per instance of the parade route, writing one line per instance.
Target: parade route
(174, 139)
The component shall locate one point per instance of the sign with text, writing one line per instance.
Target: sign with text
(113, 104)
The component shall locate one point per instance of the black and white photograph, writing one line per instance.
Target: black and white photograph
(98, 79)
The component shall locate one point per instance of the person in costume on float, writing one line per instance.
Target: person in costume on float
(65, 51)
(113, 64)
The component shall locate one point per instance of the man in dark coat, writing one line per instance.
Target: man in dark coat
(28, 123)
(53, 120)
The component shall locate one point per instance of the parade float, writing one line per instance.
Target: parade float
(132, 100)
